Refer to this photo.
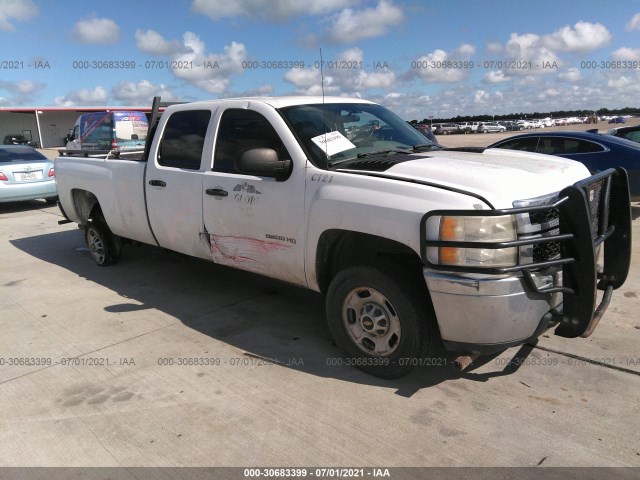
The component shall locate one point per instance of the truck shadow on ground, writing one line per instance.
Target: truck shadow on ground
(265, 318)
(23, 206)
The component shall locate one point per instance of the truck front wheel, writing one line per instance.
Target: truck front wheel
(381, 319)
(104, 246)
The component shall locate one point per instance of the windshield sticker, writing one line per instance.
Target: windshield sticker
(332, 143)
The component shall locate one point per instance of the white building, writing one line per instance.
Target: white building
(48, 126)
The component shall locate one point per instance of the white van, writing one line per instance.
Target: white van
(104, 131)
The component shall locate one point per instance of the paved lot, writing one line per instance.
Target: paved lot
(266, 389)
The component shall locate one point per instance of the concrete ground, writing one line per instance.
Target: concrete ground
(164, 360)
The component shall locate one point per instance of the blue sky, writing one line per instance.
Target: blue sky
(418, 57)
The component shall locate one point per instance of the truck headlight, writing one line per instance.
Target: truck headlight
(481, 229)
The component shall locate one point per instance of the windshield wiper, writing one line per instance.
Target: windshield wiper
(383, 152)
(423, 147)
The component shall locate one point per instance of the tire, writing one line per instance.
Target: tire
(381, 319)
(51, 200)
(104, 246)
(485, 131)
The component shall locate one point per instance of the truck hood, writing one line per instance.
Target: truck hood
(498, 175)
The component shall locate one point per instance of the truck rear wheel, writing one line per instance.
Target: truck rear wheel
(104, 246)
(380, 319)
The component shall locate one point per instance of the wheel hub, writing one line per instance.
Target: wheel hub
(96, 245)
(374, 320)
(371, 321)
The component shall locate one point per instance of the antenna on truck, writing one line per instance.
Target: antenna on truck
(324, 112)
(321, 76)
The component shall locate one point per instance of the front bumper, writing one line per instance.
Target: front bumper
(484, 314)
(17, 192)
(488, 309)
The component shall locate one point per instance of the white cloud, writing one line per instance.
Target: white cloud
(465, 50)
(371, 80)
(22, 91)
(260, 91)
(303, 77)
(549, 92)
(338, 81)
(278, 10)
(584, 37)
(19, 10)
(21, 87)
(621, 82)
(625, 53)
(570, 75)
(101, 31)
(153, 43)
(432, 68)
(350, 25)
(494, 48)
(210, 71)
(529, 48)
(141, 93)
(496, 76)
(480, 97)
(85, 97)
(634, 23)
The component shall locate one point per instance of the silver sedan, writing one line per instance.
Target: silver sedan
(26, 174)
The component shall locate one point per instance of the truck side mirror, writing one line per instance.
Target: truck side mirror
(263, 162)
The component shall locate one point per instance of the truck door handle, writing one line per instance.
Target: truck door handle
(157, 183)
(216, 192)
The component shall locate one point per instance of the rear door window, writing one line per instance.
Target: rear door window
(566, 146)
(522, 144)
(183, 139)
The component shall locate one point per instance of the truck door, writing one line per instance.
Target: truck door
(173, 181)
(255, 222)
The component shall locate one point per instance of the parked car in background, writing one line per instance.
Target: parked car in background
(548, 122)
(618, 120)
(510, 126)
(445, 128)
(491, 127)
(469, 127)
(524, 124)
(630, 133)
(26, 174)
(597, 152)
(17, 139)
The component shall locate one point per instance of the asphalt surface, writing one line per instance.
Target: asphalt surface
(164, 360)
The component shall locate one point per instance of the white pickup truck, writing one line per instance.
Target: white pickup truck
(412, 244)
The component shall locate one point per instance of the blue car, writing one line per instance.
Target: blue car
(618, 120)
(597, 152)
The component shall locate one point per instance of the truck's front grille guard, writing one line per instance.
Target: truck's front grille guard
(597, 200)
(589, 213)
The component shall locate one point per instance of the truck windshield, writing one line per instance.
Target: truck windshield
(336, 132)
